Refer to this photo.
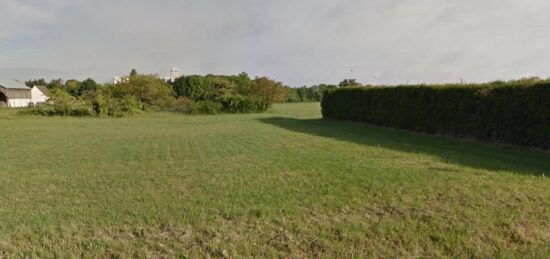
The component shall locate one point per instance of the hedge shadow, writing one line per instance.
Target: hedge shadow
(470, 154)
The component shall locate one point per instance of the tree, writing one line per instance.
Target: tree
(55, 84)
(72, 87)
(242, 80)
(35, 82)
(180, 86)
(133, 73)
(149, 90)
(267, 91)
(349, 83)
(87, 86)
(63, 102)
(292, 95)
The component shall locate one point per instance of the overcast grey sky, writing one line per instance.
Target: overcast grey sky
(295, 41)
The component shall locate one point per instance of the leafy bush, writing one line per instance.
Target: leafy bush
(266, 92)
(515, 112)
(241, 104)
(63, 104)
(106, 104)
(233, 94)
(151, 92)
(181, 104)
(130, 99)
(205, 107)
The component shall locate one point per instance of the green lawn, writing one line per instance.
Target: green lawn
(280, 184)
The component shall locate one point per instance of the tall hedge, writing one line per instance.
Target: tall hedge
(514, 112)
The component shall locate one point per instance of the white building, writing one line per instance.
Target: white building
(14, 94)
(174, 74)
(39, 94)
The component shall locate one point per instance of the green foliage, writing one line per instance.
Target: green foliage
(180, 86)
(266, 92)
(195, 94)
(292, 95)
(87, 86)
(210, 88)
(101, 103)
(349, 83)
(139, 93)
(315, 93)
(33, 82)
(181, 104)
(56, 84)
(516, 112)
(63, 104)
(205, 107)
(105, 104)
(72, 87)
(241, 104)
(308, 94)
(151, 92)
(233, 94)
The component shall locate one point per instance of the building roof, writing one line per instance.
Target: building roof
(43, 89)
(12, 84)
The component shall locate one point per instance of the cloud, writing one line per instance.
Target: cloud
(297, 42)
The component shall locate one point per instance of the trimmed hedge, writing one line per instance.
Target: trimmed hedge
(514, 112)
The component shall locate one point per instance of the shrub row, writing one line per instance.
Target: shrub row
(137, 93)
(514, 112)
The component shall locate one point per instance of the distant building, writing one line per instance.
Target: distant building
(14, 94)
(39, 94)
(174, 74)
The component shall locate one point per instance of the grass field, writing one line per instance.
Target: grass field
(280, 184)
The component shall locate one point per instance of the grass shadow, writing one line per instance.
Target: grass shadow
(471, 154)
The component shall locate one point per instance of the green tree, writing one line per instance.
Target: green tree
(56, 84)
(349, 83)
(87, 86)
(72, 87)
(267, 91)
(35, 82)
(150, 91)
(180, 86)
(63, 102)
(242, 80)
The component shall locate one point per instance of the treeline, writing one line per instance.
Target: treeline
(315, 93)
(515, 112)
(137, 93)
(73, 87)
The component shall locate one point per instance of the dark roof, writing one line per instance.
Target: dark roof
(43, 89)
(12, 84)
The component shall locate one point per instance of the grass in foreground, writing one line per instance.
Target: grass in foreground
(284, 183)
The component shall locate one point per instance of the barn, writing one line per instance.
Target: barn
(39, 94)
(14, 94)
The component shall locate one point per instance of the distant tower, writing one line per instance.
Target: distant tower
(174, 74)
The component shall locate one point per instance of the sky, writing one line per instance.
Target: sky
(298, 42)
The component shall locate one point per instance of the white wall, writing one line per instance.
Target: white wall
(16, 103)
(37, 96)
